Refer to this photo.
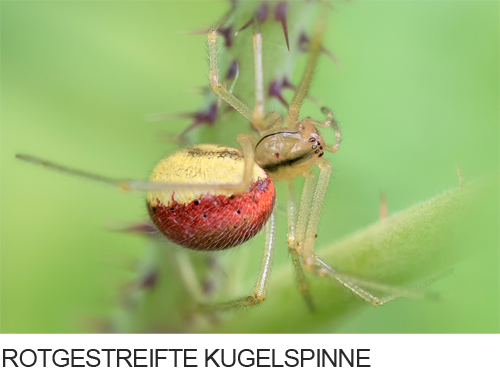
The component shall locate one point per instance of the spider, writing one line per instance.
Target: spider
(211, 197)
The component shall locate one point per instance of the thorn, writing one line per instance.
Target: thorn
(303, 42)
(200, 90)
(280, 15)
(260, 15)
(243, 27)
(285, 83)
(233, 69)
(208, 116)
(172, 138)
(149, 280)
(304, 46)
(460, 177)
(196, 32)
(332, 57)
(208, 287)
(203, 117)
(275, 91)
(145, 228)
(383, 205)
(157, 117)
(227, 33)
(232, 74)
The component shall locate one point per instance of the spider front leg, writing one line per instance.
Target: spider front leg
(310, 208)
(303, 242)
(215, 83)
(305, 205)
(272, 120)
(260, 122)
(330, 122)
(305, 245)
(311, 201)
(300, 275)
(246, 142)
(259, 293)
(258, 112)
(305, 234)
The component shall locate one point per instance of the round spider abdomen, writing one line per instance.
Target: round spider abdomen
(209, 219)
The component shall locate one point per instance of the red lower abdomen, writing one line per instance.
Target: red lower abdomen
(216, 222)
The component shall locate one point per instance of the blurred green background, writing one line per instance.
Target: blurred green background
(416, 96)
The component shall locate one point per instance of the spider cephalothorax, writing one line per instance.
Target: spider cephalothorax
(288, 153)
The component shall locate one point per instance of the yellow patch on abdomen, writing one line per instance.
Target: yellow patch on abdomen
(200, 164)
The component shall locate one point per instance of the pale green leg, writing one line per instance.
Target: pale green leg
(357, 285)
(307, 248)
(297, 265)
(305, 207)
(245, 140)
(259, 293)
(217, 86)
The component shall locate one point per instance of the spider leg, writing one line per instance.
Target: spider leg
(304, 209)
(272, 119)
(357, 285)
(310, 205)
(300, 275)
(188, 276)
(322, 269)
(262, 284)
(330, 121)
(315, 47)
(302, 243)
(258, 111)
(305, 246)
(217, 86)
(297, 230)
(260, 122)
(245, 141)
(301, 279)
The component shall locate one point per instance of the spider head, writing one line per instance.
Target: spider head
(287, 153)
(311, 138)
